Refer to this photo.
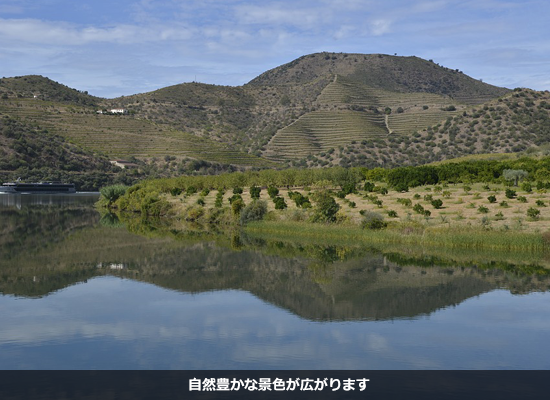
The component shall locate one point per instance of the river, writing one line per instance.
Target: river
(81, 291)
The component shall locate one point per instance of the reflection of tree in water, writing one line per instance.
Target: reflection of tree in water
(30, 229)
(313, 281)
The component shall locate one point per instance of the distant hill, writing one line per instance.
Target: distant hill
(39, 87)
(35, 154)
(320, 109)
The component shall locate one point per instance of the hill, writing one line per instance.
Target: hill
(321, 109)
(36, 154)
(292, 111)
(516, 122)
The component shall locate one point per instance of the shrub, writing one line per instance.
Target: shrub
(526, 186)
(255, 211)
(280, 203)
(446, 194)
(492, 199)
(401, 187)
(522, 199)
(325, 208)
(237, 205)
(437, 203)
(416, 196)
(238, 190)
(194, 213)
(405, 202)
(112, 193)
(418, 208)
(219, 199)
(175, 191)
(533, 213)
(510, 193)
(483, 210)
(255, 192)
(200, 201)
(373, 220)
(392, 213)
(191, 190)
(499, 216)
(204, 192)
(467, 189)
(540, 203)
(428, 197)
(368, 187)
(234, 198)
(503, 204)
(272, 191)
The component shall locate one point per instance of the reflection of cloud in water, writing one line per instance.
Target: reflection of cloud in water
(146, 326)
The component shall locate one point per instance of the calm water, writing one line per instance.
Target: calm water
(82, 292)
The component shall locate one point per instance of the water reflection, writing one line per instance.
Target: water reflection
(45, 250)
(84, 288)
(21, 201)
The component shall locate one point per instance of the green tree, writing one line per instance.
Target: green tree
(112, 193)
(515, 175)
(325, 207)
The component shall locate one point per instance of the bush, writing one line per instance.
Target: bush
(483, 210)
(219, 199)
(428, 197)
(234, 198)
(373, 220)
(437, 203)
(522, 199)
(255, 211)
(238, 190)
(418, 208)
(503, 204)
(237, 205)
(112, 193)
(405, 202)
(392, 213)
(533, 213)
(526, 186)
(175, 191)
(200, 201)
(325, 208)
(540, 203)
(255, 192)
(191, 190)
(272, 191)
(368, 187)
(280, 203)
(204, 192)
(492, 199)
(510, 193)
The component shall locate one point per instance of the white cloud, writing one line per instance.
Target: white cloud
(379, 27)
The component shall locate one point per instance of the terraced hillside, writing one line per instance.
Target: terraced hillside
(517, 122)
(353, 112)
(293, 112)
(121, 136)
(324, 130)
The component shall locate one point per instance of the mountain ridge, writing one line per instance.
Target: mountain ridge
(291, 115)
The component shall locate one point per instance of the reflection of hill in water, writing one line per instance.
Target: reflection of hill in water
(362, 286)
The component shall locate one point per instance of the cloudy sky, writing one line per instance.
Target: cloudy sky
(122, 47)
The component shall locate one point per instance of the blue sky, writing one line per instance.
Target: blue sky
(112, 48)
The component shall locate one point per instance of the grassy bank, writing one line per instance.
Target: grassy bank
(450, 238)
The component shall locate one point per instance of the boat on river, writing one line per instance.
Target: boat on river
(37, 188)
